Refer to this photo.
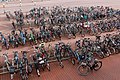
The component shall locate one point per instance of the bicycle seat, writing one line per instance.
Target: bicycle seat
(41, 62)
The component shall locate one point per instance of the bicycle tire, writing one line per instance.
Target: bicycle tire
(96, 64)
(83, 66)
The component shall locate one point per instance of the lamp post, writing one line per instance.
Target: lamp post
(4, 7)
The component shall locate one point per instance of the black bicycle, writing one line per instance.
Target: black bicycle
(85, 67)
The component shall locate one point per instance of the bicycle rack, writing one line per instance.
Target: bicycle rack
(4, 69)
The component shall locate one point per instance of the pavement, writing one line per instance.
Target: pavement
(28, 4)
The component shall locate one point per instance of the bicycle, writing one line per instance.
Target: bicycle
(85, 67)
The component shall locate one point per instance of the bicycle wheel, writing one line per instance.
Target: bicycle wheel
(83, 70)
(97, 65)
(108, 53)
(112, 50)
(117, 50)
(100, 55)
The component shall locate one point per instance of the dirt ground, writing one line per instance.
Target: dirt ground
(110, 69)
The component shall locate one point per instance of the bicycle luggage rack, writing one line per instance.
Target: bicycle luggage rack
(4, 69)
